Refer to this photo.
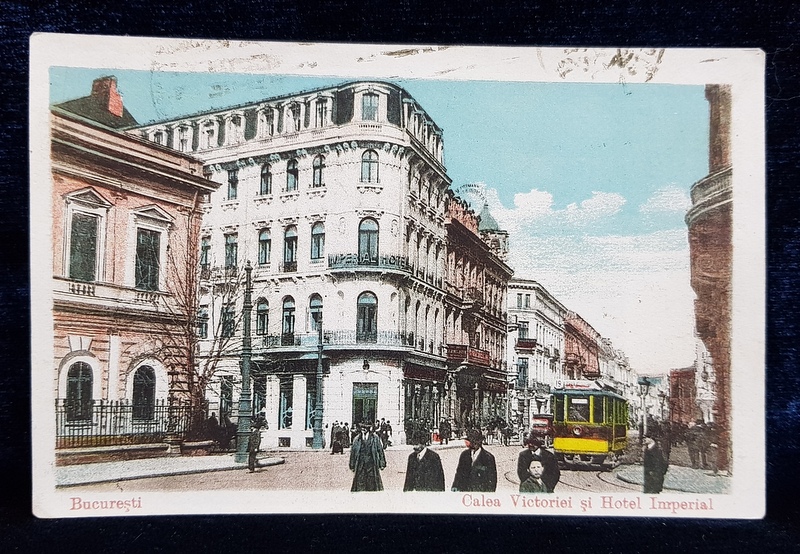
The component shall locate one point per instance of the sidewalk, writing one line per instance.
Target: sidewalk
(103, 472)
(125, 470)
(679, 478)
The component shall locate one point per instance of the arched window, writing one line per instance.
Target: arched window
(368, 242)
(291, 175)
(79, 392)
(262, 317)
(290, 249)
(317, 241)
(369, 107)
(315, 311)
(369, 167)
(144, 393)
(264, 246)
(367, 323)
(266, 180)
(319, 165)
(287, 337)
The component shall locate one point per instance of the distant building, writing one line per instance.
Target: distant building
(126, 217)
(536, 346)
(682, 396)
(581, 348)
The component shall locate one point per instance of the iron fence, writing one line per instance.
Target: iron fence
(114, 423)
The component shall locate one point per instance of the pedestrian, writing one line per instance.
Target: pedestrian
(444, 431)
(337, 446)
(212, 429)
(476, 471)
(534, 481)
(655, 467)
(367, 460)
(693, 443)
(346, 436)
(534, 448)
(666, 440)
(703, 441)
(253, 445)
(388, 434)
(424, 470)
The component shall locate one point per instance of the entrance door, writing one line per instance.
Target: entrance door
(365, 402)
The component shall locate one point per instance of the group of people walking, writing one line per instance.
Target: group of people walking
(537, 467)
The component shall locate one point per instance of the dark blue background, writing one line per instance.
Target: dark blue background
(770, 26)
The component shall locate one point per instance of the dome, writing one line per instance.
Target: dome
(487, 222)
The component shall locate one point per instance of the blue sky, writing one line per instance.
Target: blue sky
(591, 181)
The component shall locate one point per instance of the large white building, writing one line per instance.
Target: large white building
(536, 346)
(338, 197)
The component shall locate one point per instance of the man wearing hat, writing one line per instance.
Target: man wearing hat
(367, 460)
(535, 451)
(424, 470)
(476, 471)
(254, 444)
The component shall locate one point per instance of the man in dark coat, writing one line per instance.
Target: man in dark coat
(253, 445)
(444, 431)
(550, 471)
(424, 470)
(366, 461)
(476, 471)
(655, 467)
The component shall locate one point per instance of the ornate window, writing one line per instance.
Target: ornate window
(83, 246)
(368, 242)
(315, 311)
(367, 322)
(369, 167)
(144, 393)
(369, 107)
(318, 165)
(79, 392)
(290, 249)
(321, 113)
(287, 325)
(266, 180)
(148, 253)
(317, 241)
(291, 175)
(228, 321)
(205, 253)
(231, 250)
(233, 184)
(262, 317)
(264, 247)
(202, 322)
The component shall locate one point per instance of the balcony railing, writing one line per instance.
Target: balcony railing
(343, 338)
(288, 267)
(462, 352)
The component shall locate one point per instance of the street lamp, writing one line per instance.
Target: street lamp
(318, 441)
(644, 387)
(245, 408)
(662, 396)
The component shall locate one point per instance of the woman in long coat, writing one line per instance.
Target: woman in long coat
(366, 461)
(655, 467)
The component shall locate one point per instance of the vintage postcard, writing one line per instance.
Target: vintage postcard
(350, 278)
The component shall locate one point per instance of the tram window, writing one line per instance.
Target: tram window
(558, 410)
(578, 409)
(597, 409)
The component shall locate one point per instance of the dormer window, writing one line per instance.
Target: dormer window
(369, 107)
(158, 137)
(321, 113)
(183, 139)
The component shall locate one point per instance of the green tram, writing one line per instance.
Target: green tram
(590, 424)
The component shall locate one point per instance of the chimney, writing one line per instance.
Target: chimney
(104, 91)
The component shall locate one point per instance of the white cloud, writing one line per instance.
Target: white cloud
(634, 289)
(668, 199)
(591, 210)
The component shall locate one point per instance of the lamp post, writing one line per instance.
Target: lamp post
(662, 397)
(644, 387)
(318, 440)
(245, 408)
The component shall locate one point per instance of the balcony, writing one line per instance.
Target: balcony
(468, 354)
(288, 267)
(525, 344)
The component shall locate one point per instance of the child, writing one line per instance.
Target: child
(534, 482)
